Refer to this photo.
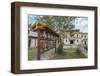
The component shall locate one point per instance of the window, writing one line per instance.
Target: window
(71, 41)
(77, 35)
(66, 36)
(85, 42)
(81, 35)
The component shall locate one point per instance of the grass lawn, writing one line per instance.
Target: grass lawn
(72, 53)
(69, 53)
(31, 53)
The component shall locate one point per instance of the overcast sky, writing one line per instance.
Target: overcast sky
(80, 23)
(31, 19)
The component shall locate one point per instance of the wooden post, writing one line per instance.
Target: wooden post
(29, 43)
(47, 41)
(38, 45)
(35, 42)
(55, 44)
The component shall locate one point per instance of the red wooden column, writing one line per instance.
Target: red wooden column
(35, 42)
(38, 44)
(47, 41)
(55, 43)
(29, 43)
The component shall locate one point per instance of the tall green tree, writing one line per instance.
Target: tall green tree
(58, 23)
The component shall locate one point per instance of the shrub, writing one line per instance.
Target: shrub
(60, 49)
(86, 47)
(78, 50)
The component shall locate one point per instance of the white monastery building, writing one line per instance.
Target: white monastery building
(73, 38)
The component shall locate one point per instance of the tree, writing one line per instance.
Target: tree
(58, 23)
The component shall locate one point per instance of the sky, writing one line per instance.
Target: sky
(80, 23)
(31, 19)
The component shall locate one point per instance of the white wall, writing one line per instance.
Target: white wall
(66, 41)
(32, 44)
(5, 33)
